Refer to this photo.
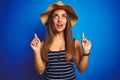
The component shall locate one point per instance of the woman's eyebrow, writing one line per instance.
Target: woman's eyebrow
(64, 13)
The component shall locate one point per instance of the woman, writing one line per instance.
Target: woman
(57, 53)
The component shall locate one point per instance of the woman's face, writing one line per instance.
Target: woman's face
(60, 20)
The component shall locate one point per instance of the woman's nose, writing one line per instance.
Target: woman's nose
(60, 19)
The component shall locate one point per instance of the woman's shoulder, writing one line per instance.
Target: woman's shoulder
(77, 42)
(42, 42)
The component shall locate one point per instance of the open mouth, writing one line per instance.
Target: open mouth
(59, 25)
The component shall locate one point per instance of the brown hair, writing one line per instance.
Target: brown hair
(69, 40)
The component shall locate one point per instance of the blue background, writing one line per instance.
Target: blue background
(98, 19)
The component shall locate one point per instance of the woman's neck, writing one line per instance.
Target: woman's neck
(59, 36)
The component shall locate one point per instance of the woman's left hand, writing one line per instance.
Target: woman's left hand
(86, 44)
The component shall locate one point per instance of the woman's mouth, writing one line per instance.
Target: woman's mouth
(59, 25)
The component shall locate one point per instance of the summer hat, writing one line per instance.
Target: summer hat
(59, 4)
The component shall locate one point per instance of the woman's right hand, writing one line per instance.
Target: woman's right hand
(36, 44)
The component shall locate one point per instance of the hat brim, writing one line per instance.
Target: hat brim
(69, 9)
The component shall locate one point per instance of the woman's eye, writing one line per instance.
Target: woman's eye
(64, 16)
(55, 16)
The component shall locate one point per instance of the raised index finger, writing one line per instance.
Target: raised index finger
(83, 35)
(35, 35)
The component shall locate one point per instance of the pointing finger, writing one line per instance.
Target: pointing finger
(35, 35)
(83, 35)
(83, 38)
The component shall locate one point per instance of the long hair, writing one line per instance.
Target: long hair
(69, 40)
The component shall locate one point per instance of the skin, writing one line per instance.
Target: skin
(59, 18)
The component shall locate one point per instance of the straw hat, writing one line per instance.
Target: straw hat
(59, 4)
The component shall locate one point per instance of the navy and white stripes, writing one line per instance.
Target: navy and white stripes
(57, 68)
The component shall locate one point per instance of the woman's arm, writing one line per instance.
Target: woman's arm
(39, 64)
(81, 60)
(36, 45)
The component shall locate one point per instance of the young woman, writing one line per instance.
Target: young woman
(57, 53)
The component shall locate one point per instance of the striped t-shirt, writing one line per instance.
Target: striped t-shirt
(57, 68)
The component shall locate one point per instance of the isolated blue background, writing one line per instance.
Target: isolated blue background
(98, 19)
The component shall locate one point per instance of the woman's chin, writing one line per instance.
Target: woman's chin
(60, 31)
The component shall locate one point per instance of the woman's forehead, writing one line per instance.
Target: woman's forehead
(59, 11)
